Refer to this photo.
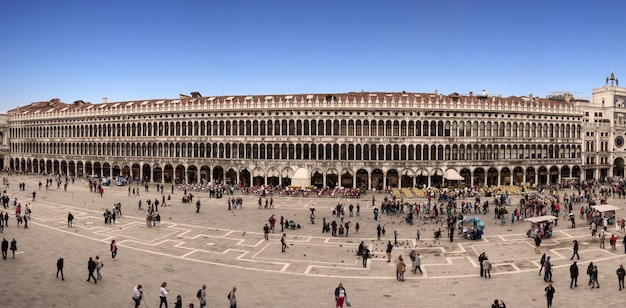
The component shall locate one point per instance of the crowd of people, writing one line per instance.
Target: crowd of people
(445, 208)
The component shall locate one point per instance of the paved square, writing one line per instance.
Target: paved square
(224, 248)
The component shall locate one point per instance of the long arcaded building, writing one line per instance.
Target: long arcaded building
(357, 139)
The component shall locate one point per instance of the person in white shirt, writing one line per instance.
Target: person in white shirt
(202, 297)
(137, 295)
(163, 295)
(232, 296)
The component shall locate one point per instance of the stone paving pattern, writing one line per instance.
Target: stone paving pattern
(222, 249)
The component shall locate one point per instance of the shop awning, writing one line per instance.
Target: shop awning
(541, 218)
(604, 208)
(452, 175)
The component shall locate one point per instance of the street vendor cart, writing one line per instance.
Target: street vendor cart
(541, 225)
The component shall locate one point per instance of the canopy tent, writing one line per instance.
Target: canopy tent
(541, 218)
(605, 208)
(452, 175)
(301, 178)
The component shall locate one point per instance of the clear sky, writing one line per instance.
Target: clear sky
(132, 49)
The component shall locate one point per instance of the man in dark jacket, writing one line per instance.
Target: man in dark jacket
(388, 251)
(481, 259)
(91, 266)
(573, 273)
(366, 255)
(620, 276)
(5, 248)
(60, 268)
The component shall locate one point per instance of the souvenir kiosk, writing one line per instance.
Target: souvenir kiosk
(541, 225)
(606, 210)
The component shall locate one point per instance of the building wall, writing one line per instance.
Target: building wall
(363, 140)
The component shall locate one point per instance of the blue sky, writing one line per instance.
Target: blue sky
(128, 50)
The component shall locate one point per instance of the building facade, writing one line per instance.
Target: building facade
(357, 139)
(604, 131)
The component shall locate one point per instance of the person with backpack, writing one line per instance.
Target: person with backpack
(232, 297)
(201, 295)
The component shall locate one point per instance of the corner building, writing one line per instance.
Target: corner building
(357, 139)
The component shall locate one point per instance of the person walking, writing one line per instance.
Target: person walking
(549, 294)
(179, 302)
(365, 256)
(573, 273)
(400, 269)
(70, 219)
(137, 295)
(589, 272)
(602, 238)
(378, 231)
(13, 247)
(412, 258)
(620, 276)
(340, 295)
(575, 249)
(417, 263)
(537, 244)
(113, 249)
(163, 295)
(542, 262)
(481, 259)
(388, 251)
(487, 265)
(232, 297)
(594, 277)
(547, 273)
(99, 266)
(613, 242)
(60, 268)
(395, 238)
(266, 232)
(91, 267)
(283, 242)
(202, 296)
(5, 248)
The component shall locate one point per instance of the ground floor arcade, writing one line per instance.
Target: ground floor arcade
(326, 175)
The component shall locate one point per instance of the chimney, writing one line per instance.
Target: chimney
(105, 100)
(471, 94)
(484, 92)
(196, 95)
